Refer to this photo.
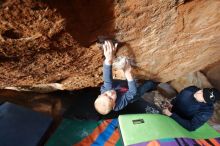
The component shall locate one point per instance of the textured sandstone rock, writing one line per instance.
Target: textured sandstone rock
(50, 104)
(43, 42)
(40, 88)
(168, 41)
(166, 90)
(213, 74)
(192, 79)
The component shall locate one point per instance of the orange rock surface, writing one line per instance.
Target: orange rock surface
(54, 41)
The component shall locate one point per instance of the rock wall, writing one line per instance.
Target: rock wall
(212, 73)
(52, 41)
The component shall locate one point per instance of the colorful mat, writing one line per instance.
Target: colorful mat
(142, 129)
(106, 133)
(85, 133)
(181, 142)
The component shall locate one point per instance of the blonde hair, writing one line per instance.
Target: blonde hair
(103, 105)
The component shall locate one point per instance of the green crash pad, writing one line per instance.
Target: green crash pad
(137, 128)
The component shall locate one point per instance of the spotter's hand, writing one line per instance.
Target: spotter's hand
(167, 112)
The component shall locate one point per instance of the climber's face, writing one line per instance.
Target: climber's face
(199, 96)
(111, 95)
(105, 102)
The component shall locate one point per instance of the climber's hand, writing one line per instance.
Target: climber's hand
(127, 67)
(127, 70)
(109, 51)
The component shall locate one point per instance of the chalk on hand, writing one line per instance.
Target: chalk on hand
(119, 62)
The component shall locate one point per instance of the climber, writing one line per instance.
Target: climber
(113, 95)
(192, 107)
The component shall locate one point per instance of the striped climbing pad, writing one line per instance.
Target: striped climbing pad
(181, 142)
(85, 133)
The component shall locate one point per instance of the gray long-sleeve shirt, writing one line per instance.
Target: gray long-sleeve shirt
(123, 98)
